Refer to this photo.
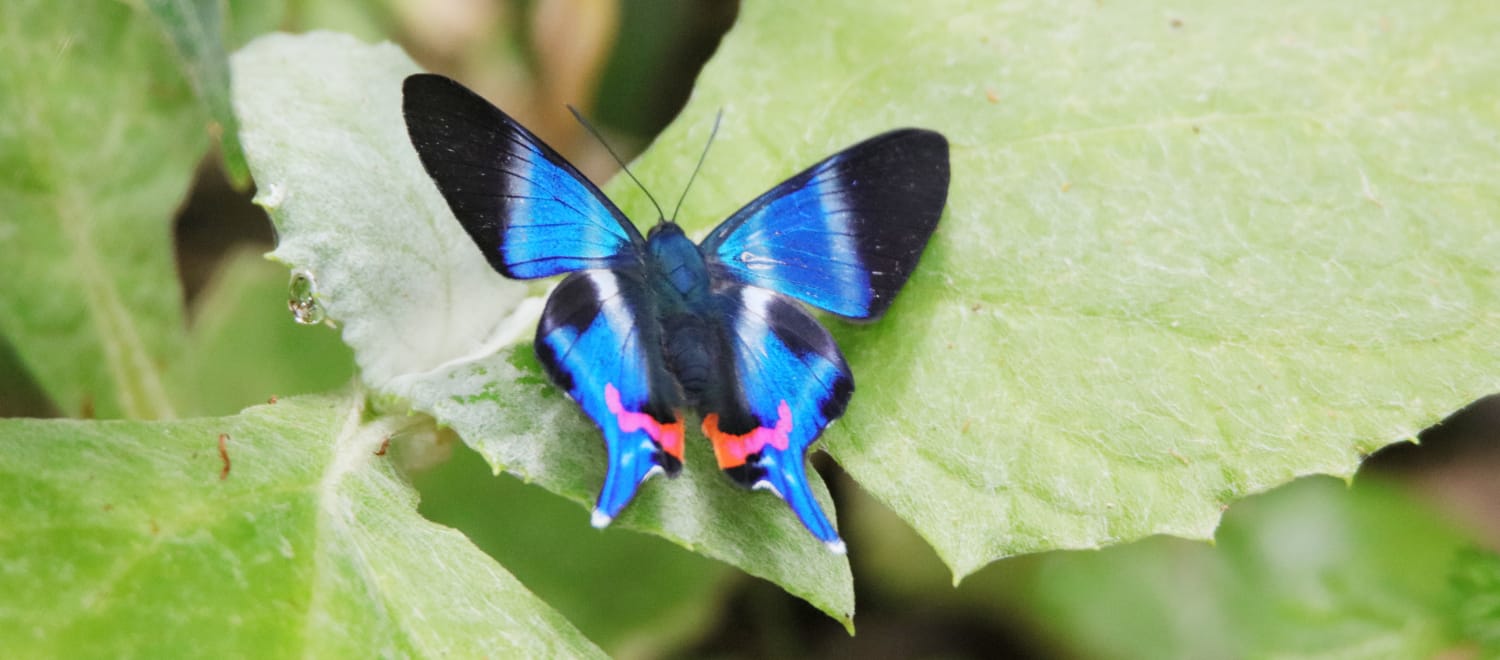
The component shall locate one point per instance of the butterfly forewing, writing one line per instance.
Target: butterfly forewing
(845, 234)
(531, 213)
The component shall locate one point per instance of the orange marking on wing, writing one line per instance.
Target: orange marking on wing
(669, 436)
(732, 450)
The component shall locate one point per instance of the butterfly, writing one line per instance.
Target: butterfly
(644, 328)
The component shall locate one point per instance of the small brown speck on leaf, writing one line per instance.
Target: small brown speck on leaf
(991, 95)
(224, 455)
(384, 445)
(108, 507)
(1066, 186)
(1179, 457)
(272, 400)
(155, 528)
(1176, 23)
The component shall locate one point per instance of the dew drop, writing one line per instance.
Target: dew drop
(302, 298)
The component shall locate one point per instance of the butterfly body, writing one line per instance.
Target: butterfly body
(646, 330)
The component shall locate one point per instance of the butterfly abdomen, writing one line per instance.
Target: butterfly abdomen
(689, 356)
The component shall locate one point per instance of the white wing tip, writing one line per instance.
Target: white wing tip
(837, 546)
(600, 520)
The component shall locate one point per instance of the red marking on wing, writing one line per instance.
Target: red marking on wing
(731, 450)
(669, 436)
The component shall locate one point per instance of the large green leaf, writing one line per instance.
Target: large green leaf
(430, 321)
(97, 149)
(1189, 253)
(309, 545)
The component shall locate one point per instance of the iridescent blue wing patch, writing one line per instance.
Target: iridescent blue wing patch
(598, 341)
(789, 381)
(845, 234)
(531, 213)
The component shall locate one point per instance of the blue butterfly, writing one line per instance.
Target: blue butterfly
(643, 328)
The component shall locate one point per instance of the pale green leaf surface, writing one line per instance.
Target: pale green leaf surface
(98, 147)
(1189, 254)
(195, 29)
(430, 321)
(310, 546)
(243, 348)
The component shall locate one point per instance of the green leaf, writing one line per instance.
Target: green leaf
(196, 30)
(98, 149)
(1189, 253)
(1476, 586)
(659, 595)
(243, 347)
(310, 545)
(1309, 570)
(431, 322)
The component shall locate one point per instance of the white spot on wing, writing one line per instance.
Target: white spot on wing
(751, 329)
(616, 315)
(600, 520)
(764, 484)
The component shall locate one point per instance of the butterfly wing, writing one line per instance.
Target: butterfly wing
(789, 382)
(531, 212)
(846, 233)
(598, 341)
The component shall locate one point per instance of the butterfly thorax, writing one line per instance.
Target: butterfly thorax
(680, 265)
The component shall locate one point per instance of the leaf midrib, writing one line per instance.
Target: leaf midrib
(128, 362)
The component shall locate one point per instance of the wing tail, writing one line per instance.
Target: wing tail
(786, 475)
(633, 458)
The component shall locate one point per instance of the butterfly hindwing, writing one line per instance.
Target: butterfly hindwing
(845, 234)
(530, 211)
(789, 381)
(599, 342)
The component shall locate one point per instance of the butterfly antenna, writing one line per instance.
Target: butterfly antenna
(701, 158)
(595, 132)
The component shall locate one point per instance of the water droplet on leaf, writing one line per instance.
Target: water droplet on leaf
(302, 298)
